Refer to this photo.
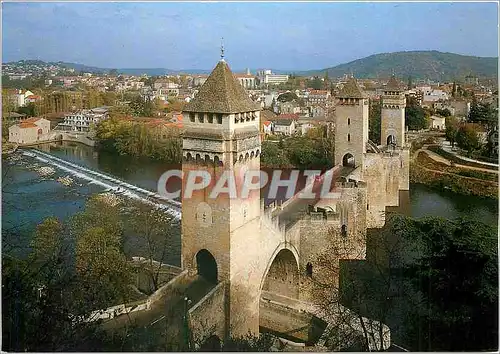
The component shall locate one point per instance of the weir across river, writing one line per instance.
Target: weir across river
(110, 183)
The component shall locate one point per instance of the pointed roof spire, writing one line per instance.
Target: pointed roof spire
(351, 89)
(221, 93)
(393, 84)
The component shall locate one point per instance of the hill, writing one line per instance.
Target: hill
(432, 65)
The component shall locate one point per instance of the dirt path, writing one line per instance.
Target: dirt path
(441, 159)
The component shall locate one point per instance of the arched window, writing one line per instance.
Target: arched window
(348, 121)
(348, 137)
(343, 231)
(309, 269)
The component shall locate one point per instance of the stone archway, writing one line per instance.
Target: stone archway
(206, 266)
(391, 140)
(348, 160)
(282, 277)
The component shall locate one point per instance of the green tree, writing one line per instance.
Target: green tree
(287, 97)
(41, 307)
(273, 156)
(415, 116)
(316, 83)
(457, 272)
(467, 137)
(28, 110)
(101, 265)
(443, 112)
(451, 129)
(483, 113)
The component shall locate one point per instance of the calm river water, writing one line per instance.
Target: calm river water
(28, 197)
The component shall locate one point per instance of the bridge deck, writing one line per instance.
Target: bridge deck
(164, 322)
(293, 210)
(287, 318)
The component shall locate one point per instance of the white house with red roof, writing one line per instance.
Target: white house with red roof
(21, 97)
(267, 127)
(29, 131)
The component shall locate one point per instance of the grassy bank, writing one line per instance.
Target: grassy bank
(426, 171)
(438, 150)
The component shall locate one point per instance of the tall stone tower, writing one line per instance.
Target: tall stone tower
(219, 231)
(351, 125)
(392, 123)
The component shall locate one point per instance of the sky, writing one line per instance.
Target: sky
(286, 36)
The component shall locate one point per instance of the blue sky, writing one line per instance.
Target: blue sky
(288, 36)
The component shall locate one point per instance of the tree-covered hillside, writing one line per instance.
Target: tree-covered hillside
(418, 64)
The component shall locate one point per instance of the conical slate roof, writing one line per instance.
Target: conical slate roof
(393, 84)
(351, 89)
(221, 93)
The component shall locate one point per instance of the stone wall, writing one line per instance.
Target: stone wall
(208, 316)
(323, 241)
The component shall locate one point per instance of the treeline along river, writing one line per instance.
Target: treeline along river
(31, 192)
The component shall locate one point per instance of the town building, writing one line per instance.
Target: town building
(199, 80)
(267, 127)
(438, 123)
(21, 97)
(471, 80)
(267, 77)
(29, 131)
(84, 120)
(317, 97)
(284, 127)
(290, 107)
(246, 80)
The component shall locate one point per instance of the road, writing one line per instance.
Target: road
(292, 212)
(164, 323)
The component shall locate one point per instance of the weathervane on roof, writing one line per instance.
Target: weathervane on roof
(222, 48)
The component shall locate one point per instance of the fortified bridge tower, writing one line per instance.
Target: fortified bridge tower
(393, 115)
(220, 234)
(266, 262)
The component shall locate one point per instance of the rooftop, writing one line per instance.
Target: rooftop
(221, 93)
(351, 89)
(393, 84)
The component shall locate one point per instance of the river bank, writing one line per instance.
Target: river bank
(437, 175)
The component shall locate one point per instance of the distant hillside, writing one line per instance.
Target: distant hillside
(133, 71)
(432, 65)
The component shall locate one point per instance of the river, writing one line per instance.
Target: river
(29, 197)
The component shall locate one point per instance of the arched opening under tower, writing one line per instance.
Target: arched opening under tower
(206, 266)
(283, 275)
(391, 140)
(348, 160)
